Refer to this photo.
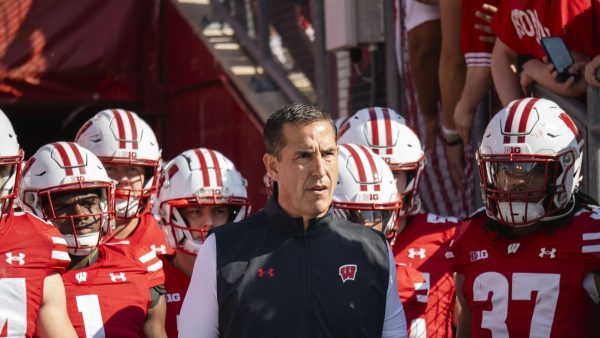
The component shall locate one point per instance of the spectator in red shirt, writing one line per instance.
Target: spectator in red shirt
(520, 25)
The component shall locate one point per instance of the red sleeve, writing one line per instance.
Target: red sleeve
(477, 53)
(504, 28)
(155, 275)
(56, 245)
(59, 257)
(456, 253)
(580, 20)
(588, 225)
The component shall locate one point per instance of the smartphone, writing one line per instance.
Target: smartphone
(558, 54)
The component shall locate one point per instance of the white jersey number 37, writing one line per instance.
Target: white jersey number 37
(523, 286)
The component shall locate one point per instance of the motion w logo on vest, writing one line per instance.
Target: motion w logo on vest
(348, 272)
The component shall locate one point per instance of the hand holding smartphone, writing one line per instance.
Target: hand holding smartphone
(558, 54)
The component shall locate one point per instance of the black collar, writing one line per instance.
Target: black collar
(294, 226)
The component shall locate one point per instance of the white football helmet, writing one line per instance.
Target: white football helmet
(119, 136)
(198, 177)
(385, 132)
(11, 157)
(366, 192)
(63, 167)
(529, 162)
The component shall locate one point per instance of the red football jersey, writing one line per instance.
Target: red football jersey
(30, 250)
(148, 233)
(111, 297)
(425, 283)
(176, 283)
(477, 53)
(531, 286)
(520, 24)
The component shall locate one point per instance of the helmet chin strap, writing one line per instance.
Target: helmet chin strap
(83, 245)
(534, 211)
(525, 213)
(127, 207)
(191, 246)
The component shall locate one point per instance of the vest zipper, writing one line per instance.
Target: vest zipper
(308, 281)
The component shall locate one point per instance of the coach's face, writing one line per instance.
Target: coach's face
(306, 170)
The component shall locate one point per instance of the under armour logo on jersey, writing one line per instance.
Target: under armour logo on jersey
(478, 255)
(544, 252)
(348, 272)
(412, 253)
(513, 247)
(117, 277)
(20, 258)
(162, 249)
(270, 272)
(81, 277)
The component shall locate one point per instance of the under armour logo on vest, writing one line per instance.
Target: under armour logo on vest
(20, 258)
(420, 253)
(348, 272)
(270, 272)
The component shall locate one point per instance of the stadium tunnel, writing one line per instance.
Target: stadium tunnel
(59, 65)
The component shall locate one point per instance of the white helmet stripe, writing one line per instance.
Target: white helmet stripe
(203, 167)
(524, 121)
(367, 171)
(381, 129)
(374, 177)
(388, 131)
(71, 157)
(359, 166)
(374, 130)
(217, 167)
(518, 119)
(127, 129)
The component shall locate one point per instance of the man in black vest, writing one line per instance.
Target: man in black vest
(293, 269)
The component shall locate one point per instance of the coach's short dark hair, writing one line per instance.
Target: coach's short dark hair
(294, 113)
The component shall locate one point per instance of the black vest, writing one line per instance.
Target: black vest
(276, 280)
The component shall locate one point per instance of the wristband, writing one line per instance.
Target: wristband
(451, 136)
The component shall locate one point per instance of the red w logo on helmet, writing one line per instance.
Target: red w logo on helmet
(348, 272)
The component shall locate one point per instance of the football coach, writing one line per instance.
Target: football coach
(293, 269)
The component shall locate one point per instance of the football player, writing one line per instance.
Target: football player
(32, 294)
(200, 189)
(366, 193)
(128, 149)
(419, 240)
(112, 290)
(527, 265)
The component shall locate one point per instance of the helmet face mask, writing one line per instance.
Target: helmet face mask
(521, 190)
(10, 175)
(191, 220)
(78, 214)
(65, 184)
(121, 138)
(407, 179)
(193, 192)
(11, 157)
(529, 174)
(135, 199)
(382, 217)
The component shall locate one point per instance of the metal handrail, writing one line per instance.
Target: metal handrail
(273, 70)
